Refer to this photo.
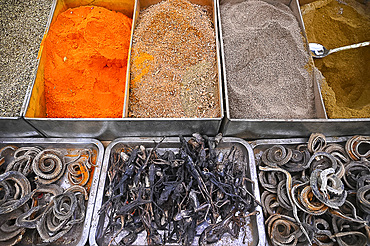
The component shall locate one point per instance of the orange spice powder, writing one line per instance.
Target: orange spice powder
(85, 70)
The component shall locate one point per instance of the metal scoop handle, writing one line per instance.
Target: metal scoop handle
(352, 46)
(319, 51)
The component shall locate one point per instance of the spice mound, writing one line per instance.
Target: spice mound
(173, 62)
(345, 90)
(266, 62)
(22, 25)
(85, 69)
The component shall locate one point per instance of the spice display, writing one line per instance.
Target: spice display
(316, 193)
(37, 205)
(86, 63)
(22, 25)
(345, 90)
(268, 68)
(175, 194)
(173, 64)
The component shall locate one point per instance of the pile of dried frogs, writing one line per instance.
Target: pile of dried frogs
(317, 193)
(32, 199)
(168, 194)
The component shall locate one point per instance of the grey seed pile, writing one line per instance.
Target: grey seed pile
(266, 62)
(22, 25)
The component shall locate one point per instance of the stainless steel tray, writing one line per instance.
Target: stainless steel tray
(79, 235)
(259, 146)
(111, 128)
(283, 128)
(142, 4)
(256, 230)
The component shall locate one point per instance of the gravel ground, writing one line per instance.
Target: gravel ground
(22, 24)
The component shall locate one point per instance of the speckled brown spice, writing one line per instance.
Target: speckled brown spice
(173, 67)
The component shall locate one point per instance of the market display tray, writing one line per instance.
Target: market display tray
(78, 235)
(255, 229)
(260, 146)
(248, 128)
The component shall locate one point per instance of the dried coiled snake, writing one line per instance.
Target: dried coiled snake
(22, 183)
(49, 166)
(318, 192)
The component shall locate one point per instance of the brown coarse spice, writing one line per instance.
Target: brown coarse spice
(173, 62)
(266, 62)
(332, 23)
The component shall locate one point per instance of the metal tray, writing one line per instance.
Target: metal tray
(142, 4)
(78, 235)
(259, 146)
(282, 128)
(256, 230)
(111, 128)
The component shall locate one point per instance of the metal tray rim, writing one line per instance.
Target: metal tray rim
(256, 143)
(120, 119)
(302, 120)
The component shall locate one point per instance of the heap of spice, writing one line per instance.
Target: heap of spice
(332, 23)
(86, 63)
(173, 62)
(267, 65)
(22, 25)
